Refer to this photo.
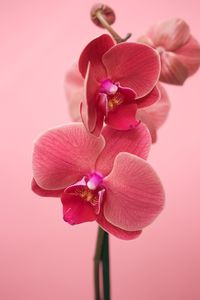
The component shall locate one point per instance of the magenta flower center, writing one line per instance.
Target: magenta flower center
(87, 195)
(90, 191)
(82, 201)
(111, 90)
(108, 87)
(95, 180)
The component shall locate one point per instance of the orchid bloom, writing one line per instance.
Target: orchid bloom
(153, 116)
(118, 79)
(97, 179)
(179, 50)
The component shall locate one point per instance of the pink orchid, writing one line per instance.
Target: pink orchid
(153, 116)
(179, 50)
(97, 179)
(118, 79)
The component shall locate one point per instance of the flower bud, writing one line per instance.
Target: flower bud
(106, 11)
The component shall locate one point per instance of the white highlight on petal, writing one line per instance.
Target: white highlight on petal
(91, 185)
(108, 87)
(94, 181)
(113, 89)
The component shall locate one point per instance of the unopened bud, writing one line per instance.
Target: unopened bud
(106, 12)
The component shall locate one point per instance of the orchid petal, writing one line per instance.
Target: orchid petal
(143, 116)
(158, 112)
(116, 231)
(172, 71)
(189, 55)
(136, 141)
(64, 155)
(88, 107)
(44, 193)
(123, 117)
(75, 209)
(170, 34)
(178, 49)
(146, 40)
(134, 194)
(93, 53)
(74, 92)
(101, 111)
(134, 65)
(155, 115)
(149, 99)
(126, 93)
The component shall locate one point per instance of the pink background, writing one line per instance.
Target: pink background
(41, 256)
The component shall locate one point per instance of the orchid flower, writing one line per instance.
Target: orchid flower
(153, 116)
(179, 50)
(97, 179)
(118, 79)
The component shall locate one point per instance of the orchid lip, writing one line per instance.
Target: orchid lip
(84, 197)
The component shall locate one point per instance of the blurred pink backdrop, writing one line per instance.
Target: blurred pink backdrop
(41, 256)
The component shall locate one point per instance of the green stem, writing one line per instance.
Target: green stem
(97, 260)
(102, 257)
(106, 267)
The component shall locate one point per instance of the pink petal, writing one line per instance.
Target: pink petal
(133, 65)
(127, 94)
(170, 34)
(64, 155)
(101, 112)
(172, 70)
(93, 53)
(134, 194)
(155, 115)
(73, 78)
(116, 231)
(189, 55)
(44, 193)
(146, 40)
(123, 117)
(89, 105)
(149, 99)
(177, 48)
(75, 209)
(158, 112)
(144, 117)
(136, 141)
(74, 92)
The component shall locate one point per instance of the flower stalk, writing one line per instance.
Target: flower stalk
(102, 244)
(98, 14)
(106, 266)
(102, 257)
